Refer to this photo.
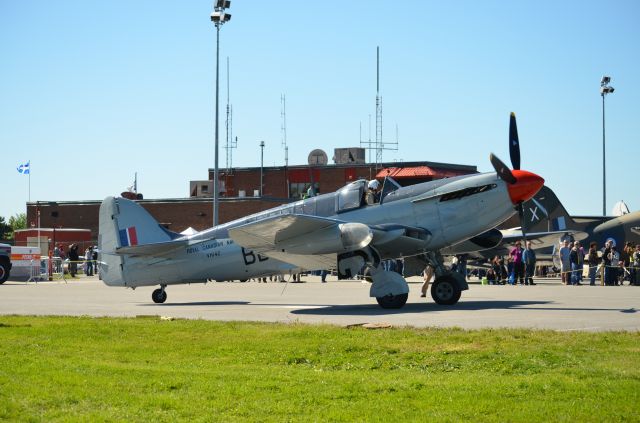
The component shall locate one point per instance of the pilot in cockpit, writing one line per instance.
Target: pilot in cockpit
(373, 192)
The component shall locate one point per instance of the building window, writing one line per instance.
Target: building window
(205, 188)
(298, 190)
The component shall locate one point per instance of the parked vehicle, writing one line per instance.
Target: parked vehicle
(5, 262)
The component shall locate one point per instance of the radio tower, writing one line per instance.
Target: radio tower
(283, 128)
(230, 142)
(380, 145)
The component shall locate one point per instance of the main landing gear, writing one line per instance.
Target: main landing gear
(159, 296)
(448, 286)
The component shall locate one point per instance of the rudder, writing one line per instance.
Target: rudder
(123, 223)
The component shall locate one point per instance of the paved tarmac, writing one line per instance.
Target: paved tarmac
(548, 305)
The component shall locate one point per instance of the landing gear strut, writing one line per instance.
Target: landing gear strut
(159, 296)
(448, 286)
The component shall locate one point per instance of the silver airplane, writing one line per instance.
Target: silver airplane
(338, 230)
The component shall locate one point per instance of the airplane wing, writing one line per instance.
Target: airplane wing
(540, 239)
(311, 242)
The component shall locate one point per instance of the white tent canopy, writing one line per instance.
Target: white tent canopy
(189, 231)
(619, 209)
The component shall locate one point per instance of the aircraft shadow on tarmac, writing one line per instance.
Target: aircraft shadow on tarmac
(374, 309)
(197, 303)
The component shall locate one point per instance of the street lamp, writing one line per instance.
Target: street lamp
(261, 166)
(605, 89)
(219, 17)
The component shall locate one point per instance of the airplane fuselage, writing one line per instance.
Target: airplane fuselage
(449, 210)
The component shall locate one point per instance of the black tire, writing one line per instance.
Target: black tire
(392, 301)
(445, 291)
(159, 296)
(4, 271)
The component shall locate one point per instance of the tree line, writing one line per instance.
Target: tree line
(7, 229)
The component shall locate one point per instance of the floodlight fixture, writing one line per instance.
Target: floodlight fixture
(220, 17)
(605, 89)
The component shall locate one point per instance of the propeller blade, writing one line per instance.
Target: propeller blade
(514, 142)
(502, 170)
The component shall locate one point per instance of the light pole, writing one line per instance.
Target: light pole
(605, 89)
(219, 18)
(261, 166)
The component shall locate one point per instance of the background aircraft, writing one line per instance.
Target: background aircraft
(331, 231)
(545, 212)
(547, 222)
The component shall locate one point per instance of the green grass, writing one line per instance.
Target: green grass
(145, 369)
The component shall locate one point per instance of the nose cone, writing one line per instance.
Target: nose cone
(526, 186)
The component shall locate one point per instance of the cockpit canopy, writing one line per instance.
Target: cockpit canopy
(352, 195)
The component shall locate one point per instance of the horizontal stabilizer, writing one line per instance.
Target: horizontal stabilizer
(152, 250)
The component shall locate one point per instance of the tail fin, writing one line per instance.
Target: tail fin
(123, 223)
(544, 212)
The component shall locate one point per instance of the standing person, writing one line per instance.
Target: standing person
(497, 269)
(491, 276)
(529, 258)
(565, 263)
(615, 265)
(73, 260)
(628, 262)
(606, 262)
(88, 260)
(518, 264)
(61, 253)
(427, 274)
(462, 265)
(94, 258)
(636, 265)
(576, 263)
(593, 260)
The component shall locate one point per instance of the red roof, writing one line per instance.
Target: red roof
(418, 172)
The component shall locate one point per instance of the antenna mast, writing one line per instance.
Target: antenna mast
(283, 128)
(380, 144)
(230, 143)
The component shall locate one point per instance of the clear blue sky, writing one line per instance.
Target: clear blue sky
(92, 92)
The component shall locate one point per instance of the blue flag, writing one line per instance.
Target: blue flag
(25, 168)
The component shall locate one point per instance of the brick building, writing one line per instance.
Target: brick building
(240, 193)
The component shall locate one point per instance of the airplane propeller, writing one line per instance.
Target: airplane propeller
(514, 142)
(506, 174)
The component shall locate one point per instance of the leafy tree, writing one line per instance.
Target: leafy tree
(19, 221)
(5, 230)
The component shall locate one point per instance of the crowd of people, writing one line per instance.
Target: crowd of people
(520, 266)
(614, 267)
(74, 257)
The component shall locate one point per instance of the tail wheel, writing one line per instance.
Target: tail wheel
(445, 291)
(159, 296)
(393, 301)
